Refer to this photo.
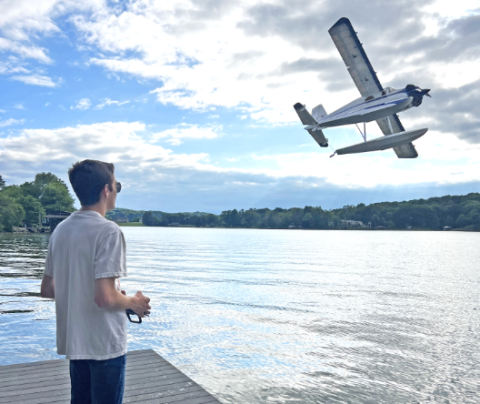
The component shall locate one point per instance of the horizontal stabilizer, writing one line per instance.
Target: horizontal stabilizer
(304, 115)
(319, 137)
(382, 143)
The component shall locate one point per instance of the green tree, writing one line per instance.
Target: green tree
(149, 219)
(476, 221)
(448, 221)
(11, 213)
(307, 221)
(273, 220)
(37, 187)
(55, 197)
(251, 218)
(470, 206)
(212, 220)
(13, 191)
(32, 208)
(461, 221)
(390, 225)
(431, 218)
(2, 183)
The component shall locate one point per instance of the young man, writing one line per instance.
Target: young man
(86, 256)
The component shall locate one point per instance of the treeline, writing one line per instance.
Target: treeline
(198, 219)
(28, 203)
(120, 214)
(461, 212)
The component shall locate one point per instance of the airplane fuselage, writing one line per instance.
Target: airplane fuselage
(376, 106)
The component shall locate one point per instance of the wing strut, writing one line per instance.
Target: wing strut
(364, 134)
(390, 124)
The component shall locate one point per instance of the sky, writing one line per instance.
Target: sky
(192, 100)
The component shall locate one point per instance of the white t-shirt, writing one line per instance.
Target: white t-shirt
(85, 247)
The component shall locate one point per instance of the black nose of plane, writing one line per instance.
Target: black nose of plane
(425, 92)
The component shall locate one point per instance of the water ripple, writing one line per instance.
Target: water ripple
(284, 316)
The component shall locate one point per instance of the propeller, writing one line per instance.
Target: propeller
(417, 94)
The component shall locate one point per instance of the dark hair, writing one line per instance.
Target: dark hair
(88, 177)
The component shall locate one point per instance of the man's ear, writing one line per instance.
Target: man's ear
(105, 190)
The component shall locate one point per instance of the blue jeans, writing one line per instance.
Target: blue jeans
(98, 382)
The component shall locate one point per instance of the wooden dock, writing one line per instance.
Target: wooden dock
(149, 379)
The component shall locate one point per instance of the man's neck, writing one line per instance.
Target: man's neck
(99, 208)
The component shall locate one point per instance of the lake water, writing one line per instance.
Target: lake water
(284, 316)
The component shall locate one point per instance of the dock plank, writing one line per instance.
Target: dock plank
(149, 378)
(136, 369)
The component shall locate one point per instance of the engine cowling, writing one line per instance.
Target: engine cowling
(417, 94)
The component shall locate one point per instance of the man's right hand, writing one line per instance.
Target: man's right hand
(140, 304)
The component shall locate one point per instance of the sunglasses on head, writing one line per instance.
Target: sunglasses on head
(119, 187)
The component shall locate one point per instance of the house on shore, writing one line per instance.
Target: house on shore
(355, 223)
(53, 219)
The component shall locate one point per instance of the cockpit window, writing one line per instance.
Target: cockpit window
(390, 90)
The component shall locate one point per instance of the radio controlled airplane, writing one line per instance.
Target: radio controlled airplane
(376, 104)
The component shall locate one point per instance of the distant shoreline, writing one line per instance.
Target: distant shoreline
(134, 224)
(258, 228)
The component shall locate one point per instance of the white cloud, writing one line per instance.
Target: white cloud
(24, 51)
(108, 101)
(222, 58)
(184, 131)
(205, 61)
(83, 104)
(157, 178)
(20, 20)
(174, 142)
(206, 65)
(12, 66)
(2, 111)
(459, 163)
(146, 168)
(18, 106)
(23, 23)
(11, 121)
(36, 80)
(111, 141)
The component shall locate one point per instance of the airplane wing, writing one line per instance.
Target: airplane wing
(355, 58)
(391, 124)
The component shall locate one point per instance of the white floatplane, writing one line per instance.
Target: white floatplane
(376, 103)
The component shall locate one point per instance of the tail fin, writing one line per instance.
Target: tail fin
(308, 119)
(304, 115)
(319, 112)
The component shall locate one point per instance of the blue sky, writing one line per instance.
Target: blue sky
(192, 100)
